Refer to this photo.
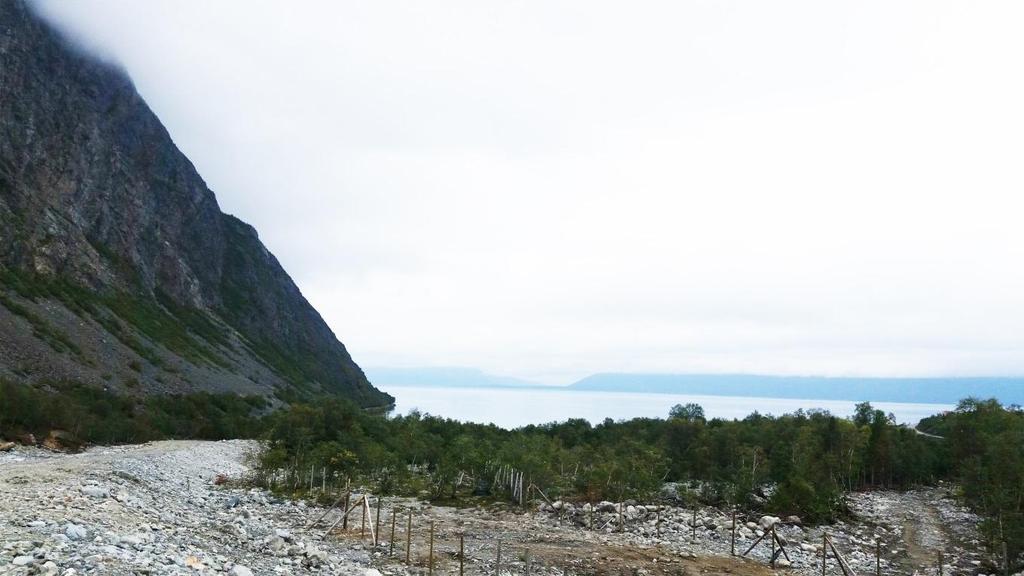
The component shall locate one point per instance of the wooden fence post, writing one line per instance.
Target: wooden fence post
(462, 554)
(732, 546)
(773, 545)
(824, 551)
(621, 524)
(526, 560)
(362, 509)
(693, 526)
(878, 557)
(497, 565)
(344, 523)
(376, 532)
(391, 543)
(408, 537)
(657, 523)
(430, 561)
(940, 562)
(1006, 561)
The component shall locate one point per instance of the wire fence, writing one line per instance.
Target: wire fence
(419, 539)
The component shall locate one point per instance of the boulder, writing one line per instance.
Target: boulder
(278, 546)
(794, 520)
(62, 441)
(94, 491)
(316, 557)
(670, 491)
(75, 532)
(240, 570)
(767, 522)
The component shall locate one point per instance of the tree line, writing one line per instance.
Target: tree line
(801, 463)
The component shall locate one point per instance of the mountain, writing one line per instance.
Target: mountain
(445, 377)
(919, 390)
(117, 266)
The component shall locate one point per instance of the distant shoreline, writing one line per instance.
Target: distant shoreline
(581, 390)
(906, 391)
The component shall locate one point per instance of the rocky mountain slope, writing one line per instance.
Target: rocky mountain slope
(117, 266)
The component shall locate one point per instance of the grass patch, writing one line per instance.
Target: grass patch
(186, 331)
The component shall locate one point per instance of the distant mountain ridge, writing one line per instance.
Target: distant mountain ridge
(117, 266)
(445, 377)
(1009, 390)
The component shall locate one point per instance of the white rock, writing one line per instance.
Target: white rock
(94, 491)
(75, 532)
(240, 570)
(767, 522)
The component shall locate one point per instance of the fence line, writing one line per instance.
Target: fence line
(500, 561)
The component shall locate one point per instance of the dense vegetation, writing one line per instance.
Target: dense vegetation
(808, 458)
(985, 450)
(799, 463)
(97, 416)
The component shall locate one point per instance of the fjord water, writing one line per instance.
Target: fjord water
(513, 407)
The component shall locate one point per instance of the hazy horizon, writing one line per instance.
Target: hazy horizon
(551, 190)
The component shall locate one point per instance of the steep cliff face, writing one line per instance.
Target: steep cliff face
(117, 266)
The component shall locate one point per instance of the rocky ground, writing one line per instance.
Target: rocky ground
(156, 509)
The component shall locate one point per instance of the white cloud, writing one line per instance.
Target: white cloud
(549, 189)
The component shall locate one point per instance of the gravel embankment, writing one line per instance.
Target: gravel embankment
(154, 509)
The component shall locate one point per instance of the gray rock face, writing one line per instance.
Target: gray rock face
(100, 209)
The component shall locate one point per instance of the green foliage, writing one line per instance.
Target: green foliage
(690, 412)
(184, 330)
(812, 458)
(42, 329)
(95, 415)
(985, 450)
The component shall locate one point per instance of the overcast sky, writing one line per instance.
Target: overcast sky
(549, 189)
